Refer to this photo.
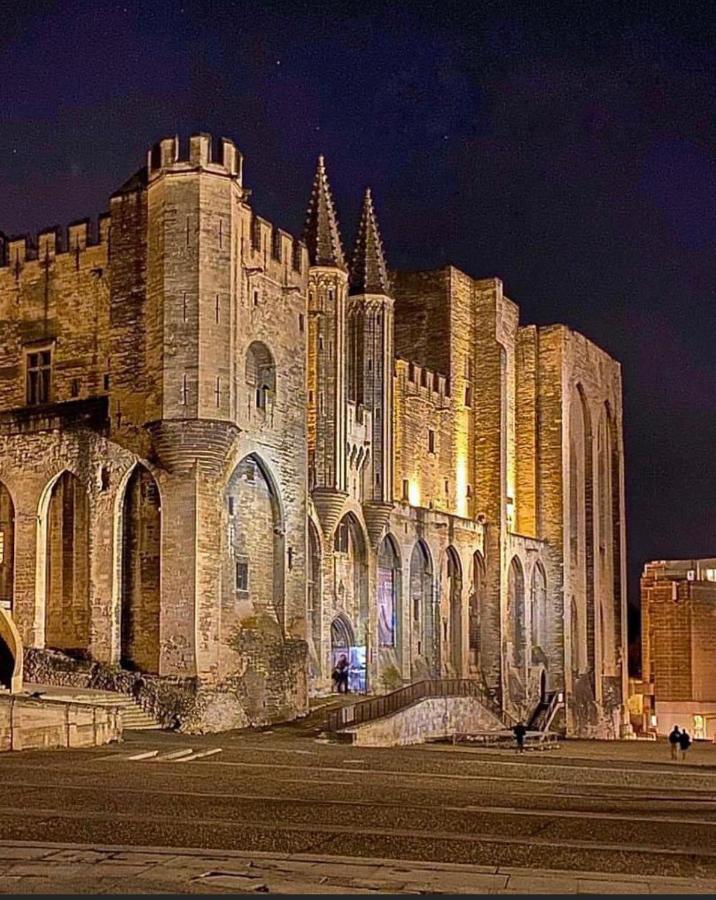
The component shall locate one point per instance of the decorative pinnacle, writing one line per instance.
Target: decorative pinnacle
(321, 229)
(369, 273)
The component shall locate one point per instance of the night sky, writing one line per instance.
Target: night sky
(569, 151)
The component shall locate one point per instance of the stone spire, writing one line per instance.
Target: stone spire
(369, 273)
(321, 229)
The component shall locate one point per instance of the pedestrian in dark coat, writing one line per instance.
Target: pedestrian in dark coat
(684, 742)
(674, 736)
(519, 731)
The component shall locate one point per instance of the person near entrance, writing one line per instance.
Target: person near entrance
(674, 736)
(519, 731)
(684, 742)
(340, 674)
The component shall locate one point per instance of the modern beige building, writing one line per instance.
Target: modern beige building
(229, 457)
(678, 634)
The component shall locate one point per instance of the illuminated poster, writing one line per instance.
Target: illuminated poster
(386, 608)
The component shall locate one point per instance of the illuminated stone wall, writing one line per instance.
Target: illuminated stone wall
(205, 357)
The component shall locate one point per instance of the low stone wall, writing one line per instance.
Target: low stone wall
(272, 688)
(27, 724)
(434, 717)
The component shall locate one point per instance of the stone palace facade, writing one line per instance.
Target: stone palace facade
(228, 457)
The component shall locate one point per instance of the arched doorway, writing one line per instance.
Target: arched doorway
(516, 612)
(67, 609)
(423, 631)
(388, 593)
(7, 549)
(475, 603)
(351, 594)
(254, 566)
(141, 573)
(452, 635)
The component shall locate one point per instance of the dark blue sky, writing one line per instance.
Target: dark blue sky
(570, 151)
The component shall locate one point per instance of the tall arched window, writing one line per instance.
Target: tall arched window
(476, 599)
(422, 609)
(538, 602)
(516, 611)
(454, 630)
(260, 375)
(7, 549)
(254, 566)
(67, 610)
(388, 592)
(141, 572)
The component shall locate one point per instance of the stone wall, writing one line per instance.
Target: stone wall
(27, 724)
(429, 719)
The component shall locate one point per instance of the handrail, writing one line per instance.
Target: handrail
(376, 707)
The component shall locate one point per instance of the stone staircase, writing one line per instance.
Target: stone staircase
(134, 718)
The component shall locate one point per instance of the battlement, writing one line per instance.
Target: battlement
(199, 153)
(54, 241)
(275, 251)
(423, 380)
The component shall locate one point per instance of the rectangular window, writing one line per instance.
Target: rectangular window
(39, 376)
(242, 576)
(468, 396)
(406, 489)
(231, 506)
(106, 382)
(431, 441)
(75, 388)
(256, 298)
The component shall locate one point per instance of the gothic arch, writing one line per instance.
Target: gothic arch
(254, 567)
(314, 592)
(63, 564)
(581, 523)
(452, 623)
(7, 549)
(423, 613)
(538, 608)
(516, 611)
(605, 601)
(388, 601)
(476, 600)
(140, 579)
(350, 548)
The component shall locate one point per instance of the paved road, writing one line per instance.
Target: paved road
(588, 807)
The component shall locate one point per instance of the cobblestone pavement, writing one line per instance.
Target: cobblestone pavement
(91, 868)
(162, 812)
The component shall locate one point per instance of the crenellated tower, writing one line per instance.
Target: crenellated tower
(370, 359)
(327, 290)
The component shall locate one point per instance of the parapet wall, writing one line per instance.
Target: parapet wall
(29, 724)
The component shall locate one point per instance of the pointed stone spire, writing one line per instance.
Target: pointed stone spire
(321, 229)
(369, 273)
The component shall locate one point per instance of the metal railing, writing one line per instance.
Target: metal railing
(377, 707)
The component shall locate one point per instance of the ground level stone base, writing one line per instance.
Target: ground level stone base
(30, 724)
(264, 693)
(434, 717)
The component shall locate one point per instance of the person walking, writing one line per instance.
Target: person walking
(519, 731)
(342, 674)
(684, 742)
(674, 736)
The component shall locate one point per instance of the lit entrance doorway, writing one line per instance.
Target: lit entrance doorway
(343, 644)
